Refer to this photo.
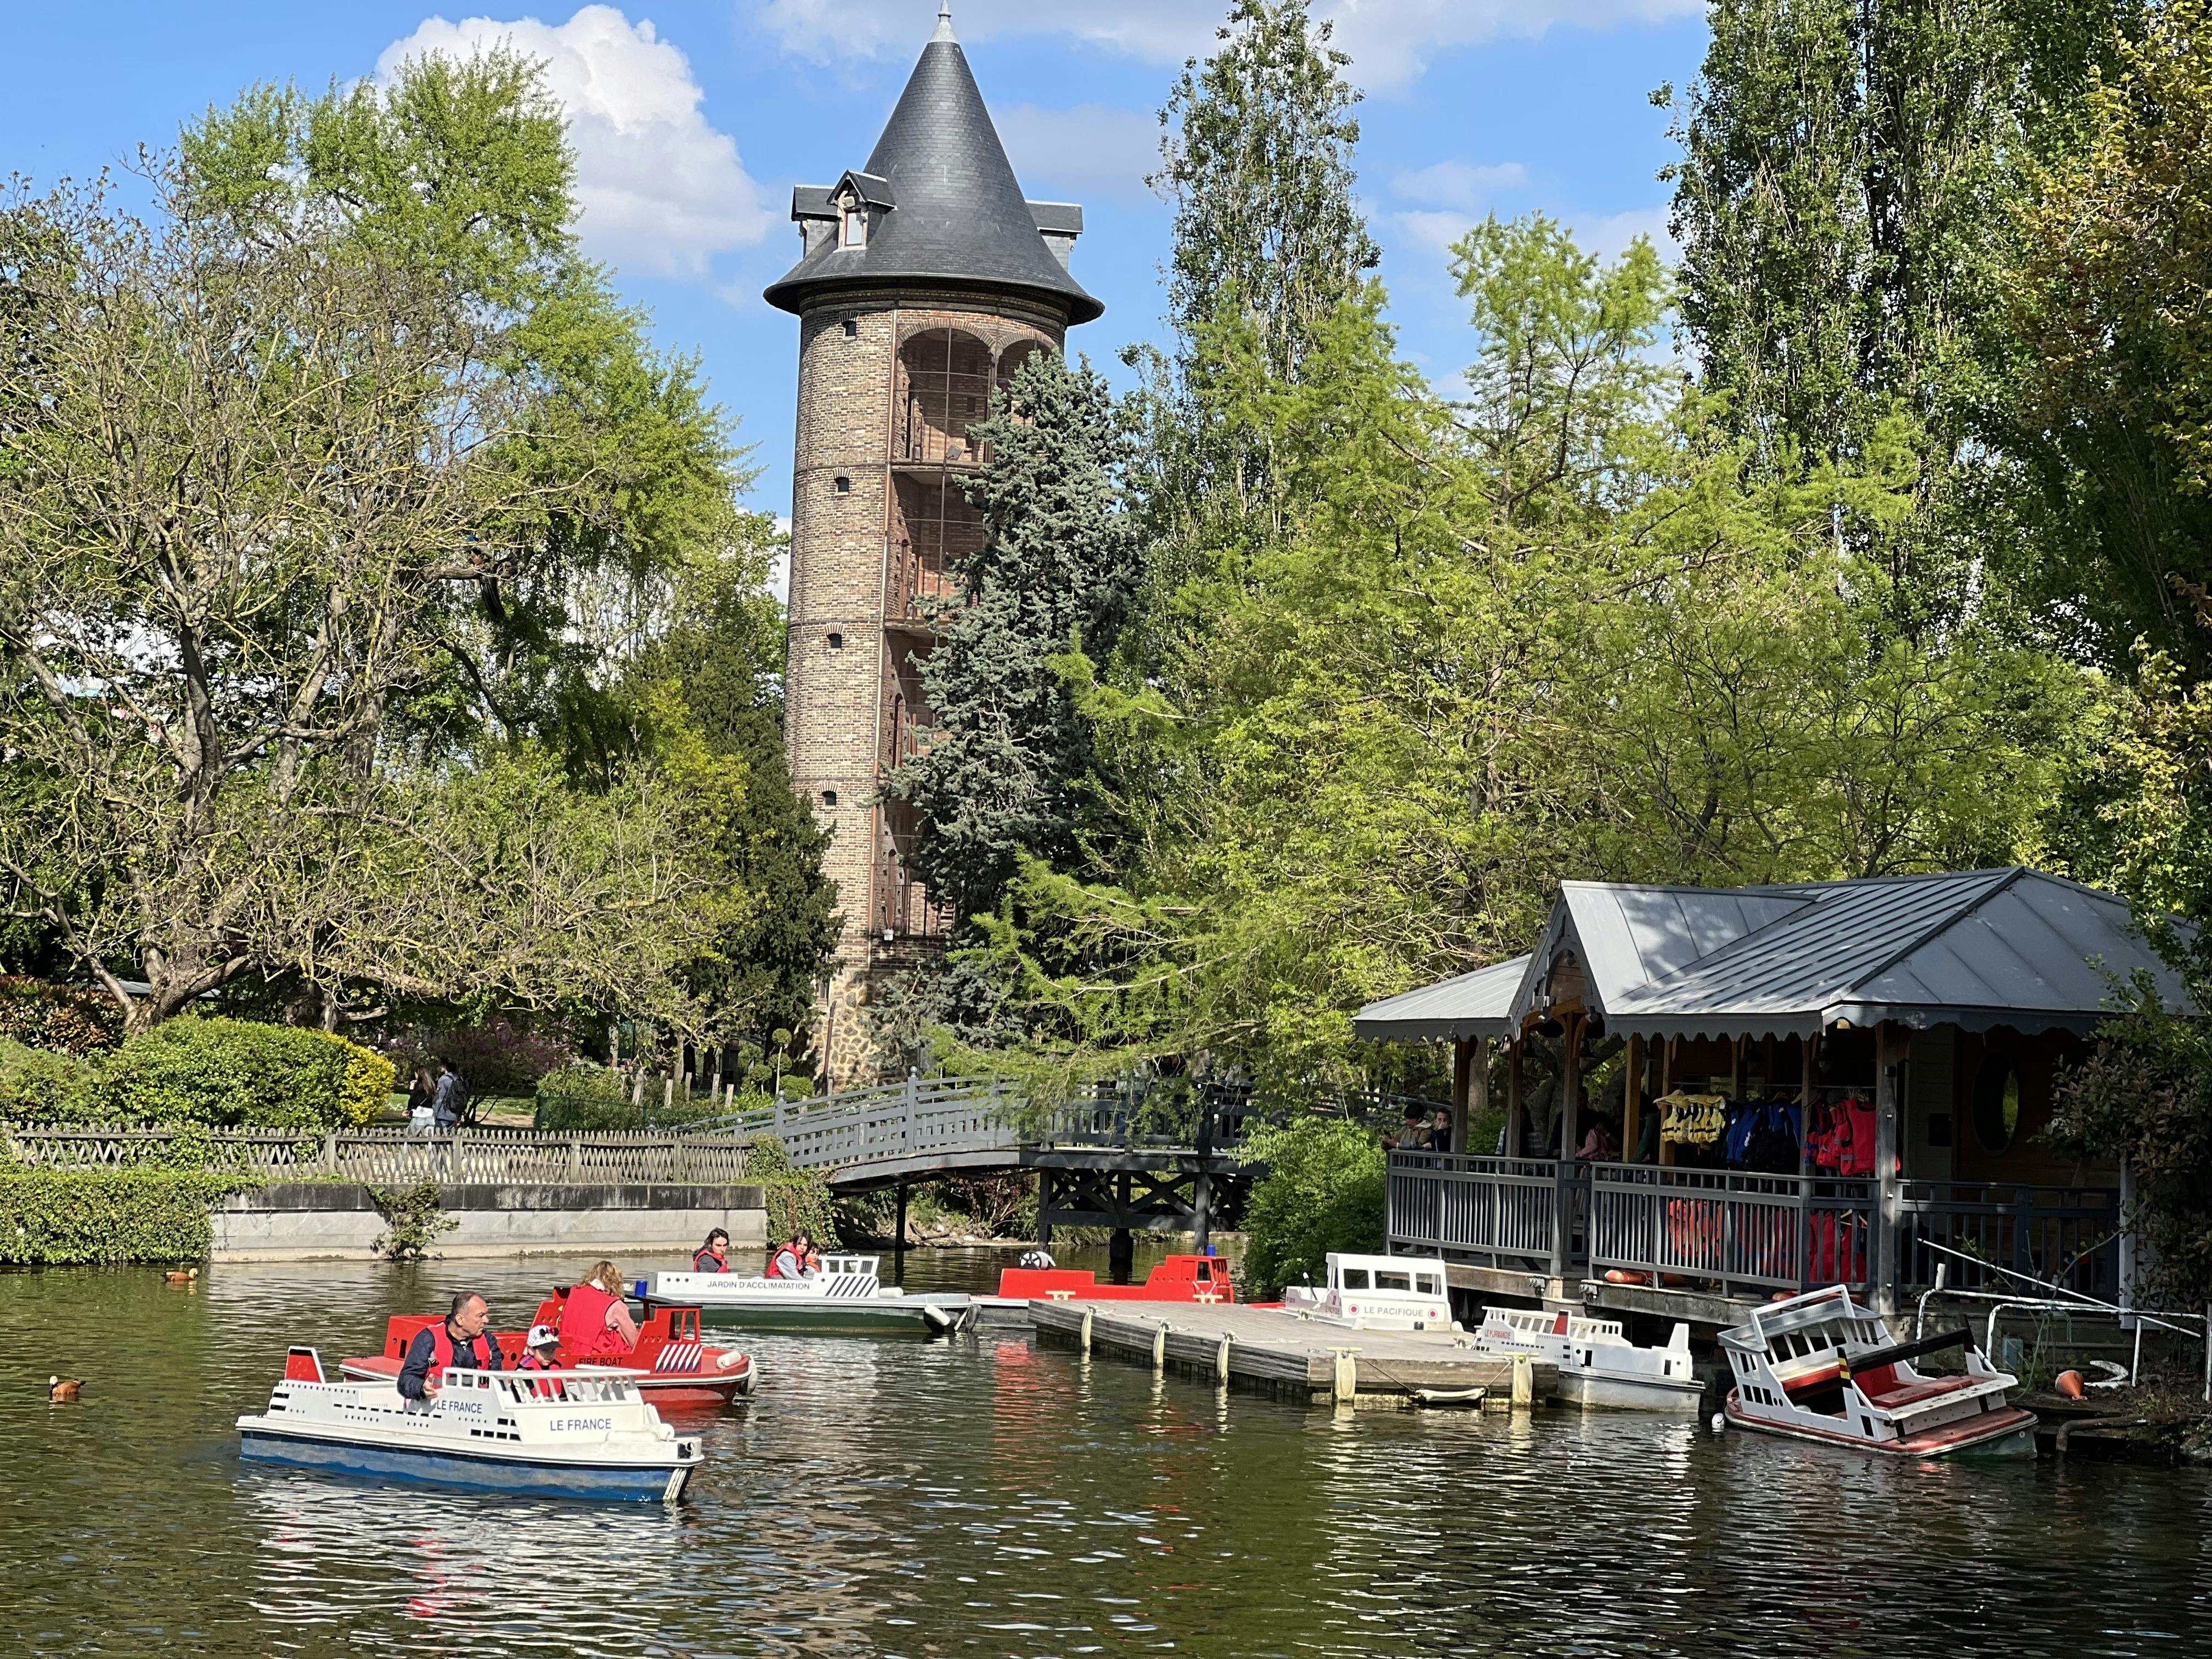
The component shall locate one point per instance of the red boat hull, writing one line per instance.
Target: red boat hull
(1178, 1279)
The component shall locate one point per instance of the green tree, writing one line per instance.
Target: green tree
(1323, 1191)
(313, 482)
(1009, 754)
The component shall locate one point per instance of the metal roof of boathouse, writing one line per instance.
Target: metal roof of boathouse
(1979, 948)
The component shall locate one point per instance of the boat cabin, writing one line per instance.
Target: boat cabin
(1377, 1293)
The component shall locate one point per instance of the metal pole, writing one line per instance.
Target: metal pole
(1889, 1077)
(899, 1247)
(1202, 1189)
(1462, 1084)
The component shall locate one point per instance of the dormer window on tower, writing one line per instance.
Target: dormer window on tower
(856, 225)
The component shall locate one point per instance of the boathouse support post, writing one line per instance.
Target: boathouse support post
(1889, 1048)
(1631, 1105)
(1804, 1167)
(1478, 1097)
(1516, 1126)
(1462, 1084)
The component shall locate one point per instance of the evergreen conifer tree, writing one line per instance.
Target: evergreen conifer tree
(1004, 773)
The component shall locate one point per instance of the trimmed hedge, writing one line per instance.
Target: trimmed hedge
(37, 1086)
(65, 1018)
(54, 1217)
(235, 1073)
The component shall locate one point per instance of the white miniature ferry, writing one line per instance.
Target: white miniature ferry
(1598, 1364)
(1377, 1293)
(1821, 1367)
(567, 1434)
(846, 1295)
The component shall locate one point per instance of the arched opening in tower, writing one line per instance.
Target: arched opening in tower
(933, 530)
(945, 379)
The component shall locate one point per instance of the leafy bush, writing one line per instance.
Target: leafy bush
(497, 1057)
(40, 1085)
(797, 1199)
(67, 1018)
(1323, 1191)
(417, 1218)
(52, 1217)
(232, 1074)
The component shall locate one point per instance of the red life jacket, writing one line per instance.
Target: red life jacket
(531, 1362)
(443, 1347)
(583, 1327)
(776, 1256)
(1855, 1136)
(709, 1262)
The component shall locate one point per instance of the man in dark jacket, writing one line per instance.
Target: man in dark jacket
(467, 1344)
(449, 1101)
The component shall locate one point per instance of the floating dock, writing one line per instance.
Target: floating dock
(1277, 1352)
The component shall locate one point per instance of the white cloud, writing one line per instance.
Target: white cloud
(1460, 185)
(1388, 40)
(660, 189)
(1093, 149)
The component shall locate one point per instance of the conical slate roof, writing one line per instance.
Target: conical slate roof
(956, 213)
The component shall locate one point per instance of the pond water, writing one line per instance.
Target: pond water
(894, 1496)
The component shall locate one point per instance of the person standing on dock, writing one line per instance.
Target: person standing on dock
(458, 1340)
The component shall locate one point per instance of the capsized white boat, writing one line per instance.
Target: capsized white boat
(1598, 1364)
(846, 1295)
(1821, 1367)
(1377, 1293)
(565, 1434)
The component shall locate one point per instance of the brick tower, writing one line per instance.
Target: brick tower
(925, 279)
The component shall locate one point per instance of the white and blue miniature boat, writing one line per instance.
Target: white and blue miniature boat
(555, 1434)
(846, 1295)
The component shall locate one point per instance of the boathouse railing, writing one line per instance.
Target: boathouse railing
(1736, 1229)
(394, 1158)
(2067, 1235)
(1740, 1231)
(1502, 1211)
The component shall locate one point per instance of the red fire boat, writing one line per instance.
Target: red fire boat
(1178, 1279)
(680, 1369)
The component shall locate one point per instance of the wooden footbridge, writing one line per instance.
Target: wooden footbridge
(1117, 1156)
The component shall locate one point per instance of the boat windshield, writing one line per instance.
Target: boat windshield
(1355, 1278)
(1428, 1285)
(1394, 1281)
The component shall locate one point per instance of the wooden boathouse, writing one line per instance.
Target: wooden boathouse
(1908, 1031)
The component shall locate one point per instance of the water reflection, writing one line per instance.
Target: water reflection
(985, 1495)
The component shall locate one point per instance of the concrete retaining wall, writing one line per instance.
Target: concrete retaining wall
(313, 1221)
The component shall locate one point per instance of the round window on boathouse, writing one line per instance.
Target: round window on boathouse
(1996, 1102)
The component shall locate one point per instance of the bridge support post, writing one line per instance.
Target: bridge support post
(898, 1245)
(1120, 1256)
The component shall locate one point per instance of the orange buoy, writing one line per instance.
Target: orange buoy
(2069, 1384)
(1622, 1276)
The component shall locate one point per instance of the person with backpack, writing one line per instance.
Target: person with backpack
(449, 1101)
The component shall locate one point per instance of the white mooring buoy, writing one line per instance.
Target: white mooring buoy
(1720, 1421)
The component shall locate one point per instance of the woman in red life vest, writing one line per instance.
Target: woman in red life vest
(788, 1261)
(596, 1322)
(713, 1256)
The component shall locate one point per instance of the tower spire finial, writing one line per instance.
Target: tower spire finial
(945, 24)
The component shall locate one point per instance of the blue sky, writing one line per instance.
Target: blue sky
(692, 122)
